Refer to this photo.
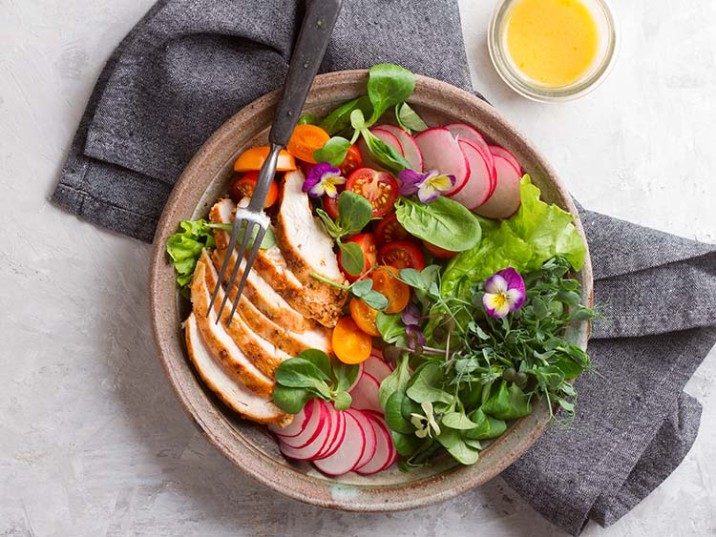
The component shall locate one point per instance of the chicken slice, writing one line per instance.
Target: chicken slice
(289, 341)
(231, 392)
(263, 297)
(262, 353)
(217, 338)
(307, 247)
(273, 268)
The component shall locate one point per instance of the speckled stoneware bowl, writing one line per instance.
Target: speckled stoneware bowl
(250, 447)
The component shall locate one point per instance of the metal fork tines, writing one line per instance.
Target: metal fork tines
(250, 223)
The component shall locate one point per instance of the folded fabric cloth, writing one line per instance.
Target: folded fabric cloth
(191, 64)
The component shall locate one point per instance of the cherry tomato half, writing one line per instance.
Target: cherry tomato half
(350, 344)
(252, 160)
(364, 316)
(244, 185)
(389, 230)
(402, 254)
(330, 205)
(352, 162)
(366, 241)
(379, 188)
(305, 140)
(440, 253)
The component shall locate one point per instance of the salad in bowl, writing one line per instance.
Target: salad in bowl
(412, 299)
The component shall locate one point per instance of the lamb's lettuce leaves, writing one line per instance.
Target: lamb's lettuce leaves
(536, 233)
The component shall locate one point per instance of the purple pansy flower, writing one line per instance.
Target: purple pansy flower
(428, 186)
(504, 293)
(414, 336)
(323, 179)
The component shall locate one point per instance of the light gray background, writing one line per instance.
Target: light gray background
(92, 440)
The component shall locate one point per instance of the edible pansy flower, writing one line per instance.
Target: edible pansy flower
(323, 179)
(428, 186)
(504, 293)
(414, 336)
(425, 425)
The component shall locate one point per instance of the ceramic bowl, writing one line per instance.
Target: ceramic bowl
(250, 447)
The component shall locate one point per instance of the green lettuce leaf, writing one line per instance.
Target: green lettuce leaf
(184, 248)
(536, 233)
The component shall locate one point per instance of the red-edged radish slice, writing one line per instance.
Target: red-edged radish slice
(313, 428)
(365, 395)
(348, 453)
(411, 151)
(508, 156)
(384, 451)
(461, 131)
(377, 368)
(388, 137)
(338, 432)
(358, 376)
(505, 200)
(441, 152)
(315, 446)
(298, 424)
(479, 185)
(371, 440)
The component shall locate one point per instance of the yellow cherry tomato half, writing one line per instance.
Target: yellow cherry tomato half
(350, 344)
(252, 160)
(364, 316)
(305, 140)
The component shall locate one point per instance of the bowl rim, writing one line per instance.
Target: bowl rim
(245, 454)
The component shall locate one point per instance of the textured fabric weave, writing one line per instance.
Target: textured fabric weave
(191, 64)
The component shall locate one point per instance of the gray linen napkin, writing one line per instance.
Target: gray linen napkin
(191, 64)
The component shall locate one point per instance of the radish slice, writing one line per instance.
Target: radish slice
(315, 446)
(480, 184)
(384, 451)
(336, 437)
(388, 138)
(313, 428)
(348, 453)
(365, 394)
(411, 151)
(505, 200)
(297, 426)
(509, 157)
(461, 131)
(371, 440)
(377, 368)
(441, 152)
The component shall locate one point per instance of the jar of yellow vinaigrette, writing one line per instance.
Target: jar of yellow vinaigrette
(552, 50)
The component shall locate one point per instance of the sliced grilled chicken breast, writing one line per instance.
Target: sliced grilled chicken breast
(316, 302)
(289, 341)
(233, 394)
(262, 353)
(264, 297)
(218, 340)
(307, 247)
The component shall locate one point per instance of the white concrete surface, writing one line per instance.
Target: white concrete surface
(93, 442)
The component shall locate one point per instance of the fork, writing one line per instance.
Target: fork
(251, 221)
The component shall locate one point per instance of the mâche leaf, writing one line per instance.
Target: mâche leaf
(351, 257)
(340, 119)
(388, 85)
(333, 151)
(383, 153)
(408, 118)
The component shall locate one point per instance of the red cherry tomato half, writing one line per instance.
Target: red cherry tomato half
(330, 205)
(440, 253)
(389, 230)
(244, 185)
(402, 254)
(352, 162)
(366, 241)
(379, 188)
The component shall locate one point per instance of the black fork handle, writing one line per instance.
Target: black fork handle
(316, 30)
